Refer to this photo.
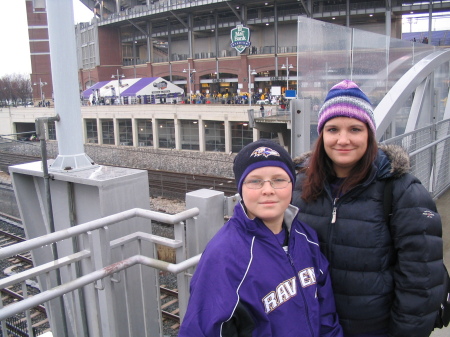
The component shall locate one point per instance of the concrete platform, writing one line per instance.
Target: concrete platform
(443, 205)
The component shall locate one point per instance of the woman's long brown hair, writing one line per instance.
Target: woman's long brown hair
(320, 168)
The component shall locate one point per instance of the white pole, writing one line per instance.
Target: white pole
(63, 57)
(118, 87)
(249, 86)
(287, 74)
(190, 79)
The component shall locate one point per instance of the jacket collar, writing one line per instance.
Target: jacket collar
(253, 224)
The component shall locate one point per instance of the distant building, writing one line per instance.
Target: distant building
(208, 47)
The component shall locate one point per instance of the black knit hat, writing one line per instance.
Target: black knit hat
(263, 152)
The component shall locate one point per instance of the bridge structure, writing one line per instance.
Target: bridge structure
(90, 229)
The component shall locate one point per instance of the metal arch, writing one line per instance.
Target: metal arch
(399, 93)
(417, 105)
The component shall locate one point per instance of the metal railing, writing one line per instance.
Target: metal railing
(97, 277)
(429, 152)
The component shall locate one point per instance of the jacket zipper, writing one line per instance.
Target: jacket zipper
(333, 214)
(300, 289)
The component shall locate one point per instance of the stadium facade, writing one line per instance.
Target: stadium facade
(204, 46)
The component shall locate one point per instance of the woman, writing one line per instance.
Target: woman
(263, 273)
(386, 274)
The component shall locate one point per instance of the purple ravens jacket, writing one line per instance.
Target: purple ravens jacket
(244, 268)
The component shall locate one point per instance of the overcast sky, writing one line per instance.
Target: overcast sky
(15, 54)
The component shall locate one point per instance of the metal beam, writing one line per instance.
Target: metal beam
(180, 19)
(235, 12)
(138, 28)
(400, 91)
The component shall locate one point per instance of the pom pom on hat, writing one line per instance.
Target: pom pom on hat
(346, 99)
(258, 154)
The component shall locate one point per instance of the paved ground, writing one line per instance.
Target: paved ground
(443, 205)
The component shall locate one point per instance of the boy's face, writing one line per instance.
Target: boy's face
(267, 203)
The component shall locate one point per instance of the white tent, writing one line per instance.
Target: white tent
(145, 90)
(154, 90)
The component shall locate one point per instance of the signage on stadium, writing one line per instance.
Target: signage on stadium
(240, 38)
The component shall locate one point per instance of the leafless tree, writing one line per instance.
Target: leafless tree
(15, 89)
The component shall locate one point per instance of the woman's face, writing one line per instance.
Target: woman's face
(345, 140)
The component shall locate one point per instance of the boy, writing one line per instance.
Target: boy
(262, 274)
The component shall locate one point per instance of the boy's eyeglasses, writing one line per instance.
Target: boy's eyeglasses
(256, 184)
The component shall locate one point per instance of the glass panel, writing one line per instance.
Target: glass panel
(51, 131)
(214, 136)
(241, 135)
(91, 131)
(166, 134)
(108, 131)
(125, 132)
(330, 53)
(189, 135)
(145, 132)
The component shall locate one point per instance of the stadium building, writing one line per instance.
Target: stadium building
(208, 47)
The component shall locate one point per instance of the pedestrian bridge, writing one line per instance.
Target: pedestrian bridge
(92, 242)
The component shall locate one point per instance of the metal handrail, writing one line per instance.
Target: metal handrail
(96, 224)
(65, 288)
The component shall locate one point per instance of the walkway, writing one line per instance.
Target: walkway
(443, 204)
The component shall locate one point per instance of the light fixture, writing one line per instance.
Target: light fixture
(284, 66)
(191, 72)
(41, 84)
(287, 66)
(251, 72)
(118, 82)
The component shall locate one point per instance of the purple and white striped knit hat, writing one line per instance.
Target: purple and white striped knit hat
(345, 99)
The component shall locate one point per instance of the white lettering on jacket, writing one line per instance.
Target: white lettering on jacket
(284, 292)
(307, 277)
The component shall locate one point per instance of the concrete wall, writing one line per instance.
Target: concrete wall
(194, 162)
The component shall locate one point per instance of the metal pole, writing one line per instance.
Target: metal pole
(63, 56)
(118, 86)
(287, 74)
(249, 87)
(40, 86)
(190, 79)
(40, 130)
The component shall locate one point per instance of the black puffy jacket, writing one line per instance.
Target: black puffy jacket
(384, 276)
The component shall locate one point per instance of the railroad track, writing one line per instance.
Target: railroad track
(169, 306)
(161, 183)
(17, 325)
(8, 159)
